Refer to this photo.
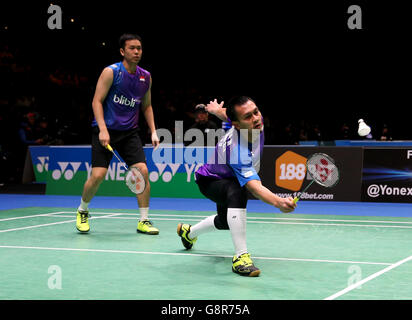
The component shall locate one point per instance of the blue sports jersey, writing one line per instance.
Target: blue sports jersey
(122, 104)
(234, 157)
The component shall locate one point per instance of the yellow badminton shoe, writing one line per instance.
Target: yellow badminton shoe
(244, 266)
(82, 221)
(183, 231)
(146, 226)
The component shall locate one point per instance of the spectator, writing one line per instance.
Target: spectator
(288, 136)
(385, 135)
(316, 133)
(344, 132)
(27, 131)
(205, 125)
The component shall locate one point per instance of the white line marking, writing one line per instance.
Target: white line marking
(249, 218)
(49, 224)
(373, 276)
(260, 218)
(189, 254)
(189, 218)
(32, 216)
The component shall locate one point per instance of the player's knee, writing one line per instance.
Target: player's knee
(237, 197)
(143, 169)
(98, 176)
(221, 224)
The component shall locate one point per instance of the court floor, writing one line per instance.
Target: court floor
(325, 250)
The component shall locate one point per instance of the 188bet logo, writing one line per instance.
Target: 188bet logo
(290, 170)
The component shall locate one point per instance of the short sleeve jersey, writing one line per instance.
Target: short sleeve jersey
(234, 157)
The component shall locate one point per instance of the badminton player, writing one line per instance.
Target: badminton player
(227, 182)
(123, 89)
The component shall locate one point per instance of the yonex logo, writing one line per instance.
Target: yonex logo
(67, 169)
(43, 165)
(122, 100)
(167, 175)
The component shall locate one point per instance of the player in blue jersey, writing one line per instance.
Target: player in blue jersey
(227, 178)
(122, 91)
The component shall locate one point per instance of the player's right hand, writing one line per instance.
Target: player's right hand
(286, 205)
(104, 138)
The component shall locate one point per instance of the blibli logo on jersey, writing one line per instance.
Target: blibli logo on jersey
(122, 100)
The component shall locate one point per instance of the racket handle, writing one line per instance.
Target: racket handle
(108, 147)
(304, 190)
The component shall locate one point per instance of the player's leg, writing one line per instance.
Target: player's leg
(213, 190)
(237, 198)
(92, 185)
(100, 162)
(231, 200)
(131, 149)
(144, 225)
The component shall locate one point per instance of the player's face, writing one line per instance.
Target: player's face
(248, 117)
(132, 51)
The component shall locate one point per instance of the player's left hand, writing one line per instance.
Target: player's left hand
(155, 140)
(213, 107)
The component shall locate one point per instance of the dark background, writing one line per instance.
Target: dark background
(387, 167)
(298, 59)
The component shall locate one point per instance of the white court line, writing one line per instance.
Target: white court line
(373, 276)
(249, 218)
(33, 216)
(261, 218)
(190, 254)
(49, 224)
(189, 218)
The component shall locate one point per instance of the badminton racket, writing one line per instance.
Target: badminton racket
(134, 177)
(322, 170)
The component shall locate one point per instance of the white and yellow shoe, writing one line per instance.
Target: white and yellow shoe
(146, 226)
(244, 266)
(82, 221)
(183, 230)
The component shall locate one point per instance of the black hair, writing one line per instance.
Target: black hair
(235, 102)
(128, 36)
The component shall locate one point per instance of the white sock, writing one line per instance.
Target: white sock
(204, 226)
(144, 213)
(84, 206)
(236, 219)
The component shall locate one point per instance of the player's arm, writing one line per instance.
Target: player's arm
(102, 88)
(261, 192)
(147, 110)
(215, 108)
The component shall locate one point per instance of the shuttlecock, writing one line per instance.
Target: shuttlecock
(364, 129)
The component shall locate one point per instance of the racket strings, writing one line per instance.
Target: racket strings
(135, 180)
(323, 170)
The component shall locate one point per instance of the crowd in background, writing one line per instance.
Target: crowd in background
(51, 105)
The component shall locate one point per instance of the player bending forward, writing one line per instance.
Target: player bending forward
(227, 180)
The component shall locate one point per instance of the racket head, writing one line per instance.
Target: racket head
(323, 170)
(135, 180)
